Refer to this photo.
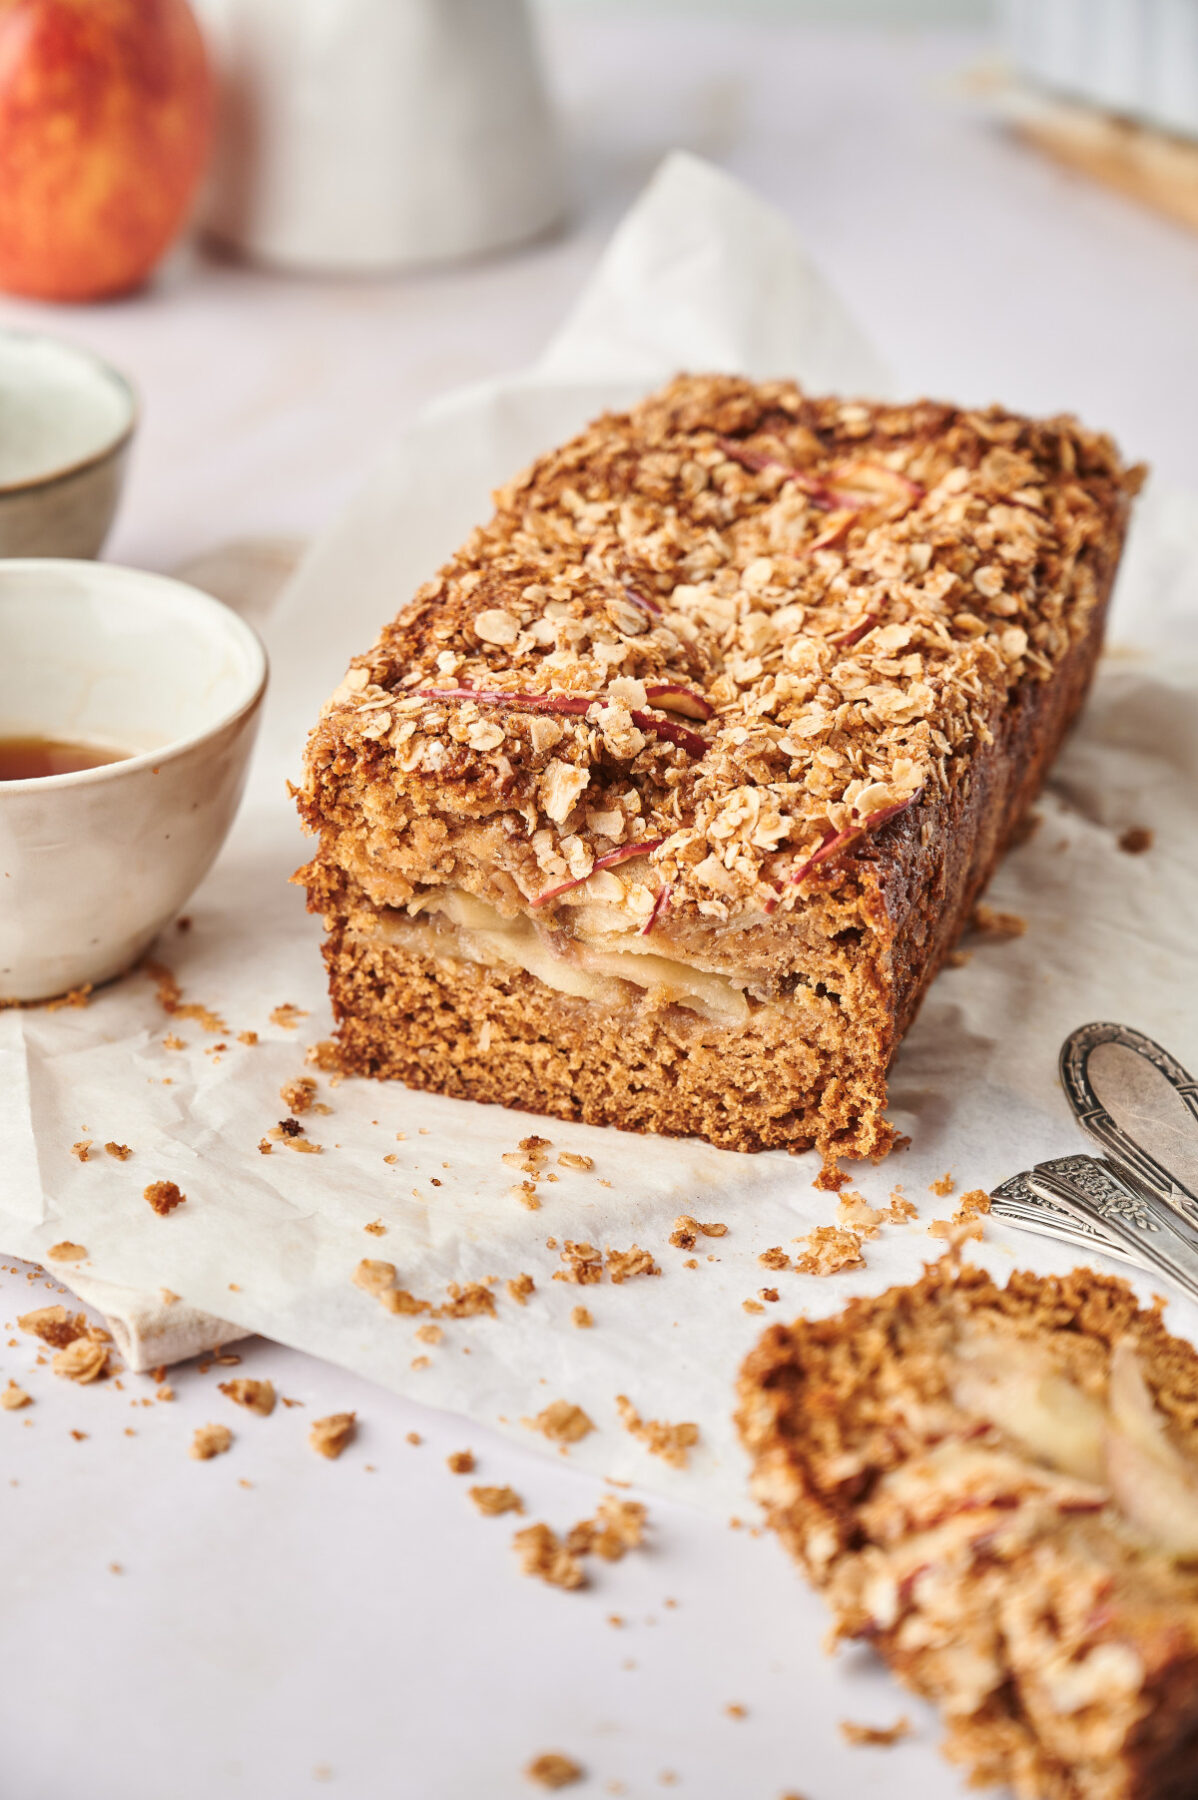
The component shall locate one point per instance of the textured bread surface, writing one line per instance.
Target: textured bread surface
(756, 683)
(1052, 1615)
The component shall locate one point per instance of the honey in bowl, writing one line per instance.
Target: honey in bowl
(30, 758)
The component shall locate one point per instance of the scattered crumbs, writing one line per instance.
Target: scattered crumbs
(287, 1402)
(460, 1462)
(581, 1318)
(169, 996)
(687, 1231)
(966, 1222)
(324, 1055)
(673, 1443)
(257, 1396)
(265, 1147)
(163, 1392)
(520, 1287)
(376, 1228)
(569, 1159)
(542, 1554)
(429, 1334)
(735, 1710)
(944, 1186)
(14, 1398)
(122, 1152)
(210, 1441)
(602, 1183)
(670, 1602)
(414, 1437)
(389, 1158)
(173, 1042)
(583, 1264)
(829, 1250)
(322, 1771)
(553, 1770)
(618, 1526)
(287, 1017)
(419, 1362)
(1136, 839)
(66, 1252)
(881, 1735)
(526, 1194)
(80, 1437)
(622, 1265)
(330, 1435)
(298, 1095)
(616, 1619)
(54, 1325)
(775, 1258)
(247, 1037)
(80, 996)
(993, 923)
(82, 1149)
(900, 1208)
(551, 1243)
(854, 1212)
(492, 1501)
(164, 1196)
(752, 1306)
(561, 1422)
(692, 1262)
(770, 1294)
(467, 1301)
(82, 1361)
(167, 1297)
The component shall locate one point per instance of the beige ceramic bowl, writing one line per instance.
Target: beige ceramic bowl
(93, 864)
(66, 423)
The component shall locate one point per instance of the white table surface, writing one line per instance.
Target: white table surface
(356, 1624)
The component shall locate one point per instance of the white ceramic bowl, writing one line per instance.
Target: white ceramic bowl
(94, 863)
(66, 422)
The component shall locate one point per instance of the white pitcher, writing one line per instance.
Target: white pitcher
(365, 135)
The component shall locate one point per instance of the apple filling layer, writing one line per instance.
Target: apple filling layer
(1119, 1443)
(611, 968)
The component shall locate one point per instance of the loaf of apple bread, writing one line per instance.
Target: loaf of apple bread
(661, 805)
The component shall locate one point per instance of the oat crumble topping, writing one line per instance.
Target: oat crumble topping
(493, 1501)
(561, 1422)
(257, 1396)
(828, 594)
(83, 1361)
(329, 1436)
(553, 1770)
(66, 1252)
(673, 1443)
(829, 1250)
(164, 1196)
(881, 1736)
(622, 1265)
(543, 1555)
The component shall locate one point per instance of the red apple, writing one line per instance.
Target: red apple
(105, 123)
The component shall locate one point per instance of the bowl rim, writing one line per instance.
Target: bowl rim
(32, 483)
(196, 598)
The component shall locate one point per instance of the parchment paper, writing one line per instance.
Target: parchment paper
(701, 275)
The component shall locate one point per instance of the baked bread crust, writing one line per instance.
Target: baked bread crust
(1058, 1637)
(768, 679)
